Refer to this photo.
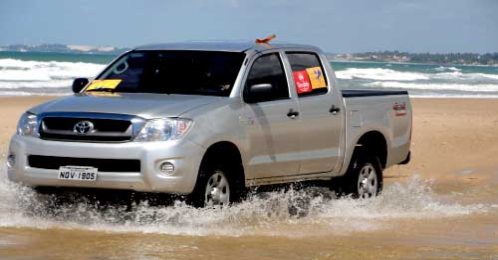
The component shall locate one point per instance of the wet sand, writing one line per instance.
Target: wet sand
(448, 212)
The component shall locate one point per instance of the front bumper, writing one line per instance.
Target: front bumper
(183, 154)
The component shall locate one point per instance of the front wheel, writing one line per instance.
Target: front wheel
(217, 190)
(364, 178)
(214, 187)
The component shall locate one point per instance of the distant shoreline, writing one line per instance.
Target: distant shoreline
(331, 59)
(466, 59)
(411, 63)
(64, 49)
(469, 59)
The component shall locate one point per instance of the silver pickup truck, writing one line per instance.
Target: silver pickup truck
(208, 120)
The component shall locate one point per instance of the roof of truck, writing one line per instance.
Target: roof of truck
(223, 46)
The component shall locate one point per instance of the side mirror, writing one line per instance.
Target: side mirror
(79, 84)
(258, 93)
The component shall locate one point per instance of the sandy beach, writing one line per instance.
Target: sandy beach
(443, 205)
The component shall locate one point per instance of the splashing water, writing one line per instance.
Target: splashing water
(291, 212)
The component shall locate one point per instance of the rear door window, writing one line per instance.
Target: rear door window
(308, 73)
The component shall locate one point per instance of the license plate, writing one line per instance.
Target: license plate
(78, 173)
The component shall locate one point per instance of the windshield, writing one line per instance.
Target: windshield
(171, 72)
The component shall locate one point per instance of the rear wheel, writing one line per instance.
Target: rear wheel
(364, 177)
(367, 183)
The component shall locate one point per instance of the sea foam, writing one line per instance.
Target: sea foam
(49, 76)
(424, 81)
(290, 212)
(380, 74)
(434, 86)
(21, 77)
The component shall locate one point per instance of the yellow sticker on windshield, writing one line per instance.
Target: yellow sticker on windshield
(103, 84)
(316, 77)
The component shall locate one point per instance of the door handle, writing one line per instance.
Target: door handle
(292, 113)
(334, 110)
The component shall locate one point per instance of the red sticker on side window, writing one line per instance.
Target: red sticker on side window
(302, 81)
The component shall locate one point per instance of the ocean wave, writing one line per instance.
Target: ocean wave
(20, 77)
(31, 93)
(434, 86)
(380, 74)
(35, 84)
(448, 74)
(458, 75)
(489, 76)
(443, 68)
(12, 70)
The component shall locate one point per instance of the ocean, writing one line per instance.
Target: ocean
(38, 73)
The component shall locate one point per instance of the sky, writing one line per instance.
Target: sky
(336, 26)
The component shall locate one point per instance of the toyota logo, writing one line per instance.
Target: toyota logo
(83, 127)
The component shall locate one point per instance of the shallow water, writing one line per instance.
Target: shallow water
(296, 222)
(286, 212)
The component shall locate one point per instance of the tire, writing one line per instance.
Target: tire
(215, 186)
(364, 178)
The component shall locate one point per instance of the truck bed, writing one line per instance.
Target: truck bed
(385, 111)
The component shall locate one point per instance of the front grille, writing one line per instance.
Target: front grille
(101, 125)
(103, 165)
(104, 127)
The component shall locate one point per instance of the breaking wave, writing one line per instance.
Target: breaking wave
(24, 77)
(292, 212)
(42, 76)
(435, 86)
(425, 80)
(443, 68)
(379, 74)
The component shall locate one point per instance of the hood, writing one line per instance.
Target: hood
(143, 105)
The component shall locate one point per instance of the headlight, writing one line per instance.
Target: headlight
(28, 125)
(163, 130)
